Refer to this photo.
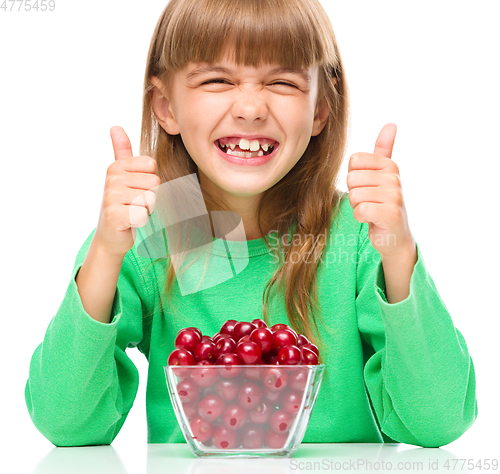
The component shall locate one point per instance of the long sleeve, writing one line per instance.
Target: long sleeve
(418, 371)
(81, 383)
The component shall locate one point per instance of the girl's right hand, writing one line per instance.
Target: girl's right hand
(127, 178)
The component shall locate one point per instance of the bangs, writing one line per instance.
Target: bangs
(291, 33)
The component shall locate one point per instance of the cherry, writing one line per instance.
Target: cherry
(313, 347)
(223, 437)
(281, 421)
(309, 357)
(227, 389)
(205, 376)
(202, 430)
(190, 410)
(188, 390)
(283, 337)
(275, 440)
(228, 327)
(278, 327)
(206, 338)
(205, 350)
(275, 379)
(271, 358)
(297, 379)
(188, 339)
(180, 357)
(230, 360)
(262, 412)
(224, 345)
(211, 407)
(242, 329)
(249, 395)
(254, 373)
(217, 337)
(302, 340)
(269, 395)
(289, 355)
(248, 352)
(259, 323)
(252, 436)
(234, 417)
(263, 337)
(290, 401)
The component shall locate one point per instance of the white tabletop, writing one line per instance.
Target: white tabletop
(310, 458)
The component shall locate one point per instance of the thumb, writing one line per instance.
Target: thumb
(385, 140)
(121, 143)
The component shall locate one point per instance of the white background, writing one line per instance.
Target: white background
(69, 75)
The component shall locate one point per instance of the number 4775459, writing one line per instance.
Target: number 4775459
(28, 5)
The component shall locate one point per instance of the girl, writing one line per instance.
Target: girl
(249, 99)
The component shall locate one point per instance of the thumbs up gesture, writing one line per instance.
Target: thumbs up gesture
(376, 196)
(129, 179)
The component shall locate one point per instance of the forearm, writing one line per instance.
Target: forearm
(97, 281)
(397, 274)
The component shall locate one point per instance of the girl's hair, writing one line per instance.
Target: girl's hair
(294, 34)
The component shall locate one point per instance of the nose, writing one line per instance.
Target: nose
(250, 104)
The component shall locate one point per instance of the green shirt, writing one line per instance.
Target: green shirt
(394, 372)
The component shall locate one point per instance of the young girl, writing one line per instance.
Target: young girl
(248, 100)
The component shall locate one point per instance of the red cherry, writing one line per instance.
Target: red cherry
(224, 345)
(205, 376)
(227, 389)
(190, 410)
(218, 336)
(271, 358)
(275, 440)
(260, 323)
(180, 357)
(233, 365)
(278, 327)
(297, 379)
(281, 421)
(234, 417)
(275, 379)
(291, 401)
(313, 347)
(262, 412)
(228, 327)
(204, 351)
(252, 436)
(308, 356)
(249, 395)
(206, 338)
(301, 340)
(289, 355)
(269, 395)
(223, 437)
(242, 329)
(211, 407)
(254, 373)
(263, 337)
(248, 352)
(188, 391)
(202, 430)
(283, 337)
(188, 339)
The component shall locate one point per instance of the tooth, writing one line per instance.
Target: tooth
(232, 145)
(265, 146)
(254, 145)
(244, 144)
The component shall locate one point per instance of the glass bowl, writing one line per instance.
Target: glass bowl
(243, 410)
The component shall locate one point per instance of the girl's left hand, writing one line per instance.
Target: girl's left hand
(376, 197)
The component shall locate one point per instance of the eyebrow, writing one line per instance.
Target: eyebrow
(280, 70)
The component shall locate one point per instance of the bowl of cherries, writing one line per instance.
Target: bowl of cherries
(246, 391)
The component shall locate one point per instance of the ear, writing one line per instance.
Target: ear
(162, 107)
(321, 115)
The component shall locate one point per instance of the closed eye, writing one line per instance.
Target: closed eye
(220, 81)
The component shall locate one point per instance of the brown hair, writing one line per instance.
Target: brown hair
(295, 34)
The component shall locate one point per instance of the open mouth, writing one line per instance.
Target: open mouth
(235, 150)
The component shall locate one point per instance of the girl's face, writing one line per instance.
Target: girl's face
(209, 102)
